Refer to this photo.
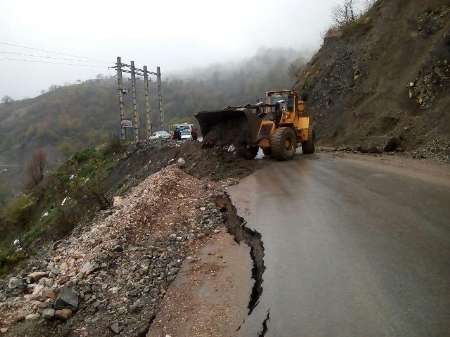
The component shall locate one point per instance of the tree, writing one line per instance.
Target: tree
(350, 10)
(36, 167)
(345, 13)
(7, 99)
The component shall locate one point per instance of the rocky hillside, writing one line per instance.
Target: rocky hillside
(385, 76)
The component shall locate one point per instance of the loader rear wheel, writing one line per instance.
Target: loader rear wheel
(284, 143)
(308, 146)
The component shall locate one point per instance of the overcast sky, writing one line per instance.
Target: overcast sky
(176, 34)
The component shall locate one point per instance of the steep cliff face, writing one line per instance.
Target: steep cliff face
(386, 75)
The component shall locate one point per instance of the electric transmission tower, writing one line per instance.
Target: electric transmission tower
(134, 124)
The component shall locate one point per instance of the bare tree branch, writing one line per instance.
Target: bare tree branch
(36, 167)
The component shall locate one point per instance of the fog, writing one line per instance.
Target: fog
(68, 41)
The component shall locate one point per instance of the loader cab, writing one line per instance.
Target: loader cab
(288, 102)
(287, 99)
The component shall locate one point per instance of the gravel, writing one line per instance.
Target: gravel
(110, 276)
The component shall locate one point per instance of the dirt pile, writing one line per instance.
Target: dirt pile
(385, 76)
(233, 130)
(108, 278)
(215, 162)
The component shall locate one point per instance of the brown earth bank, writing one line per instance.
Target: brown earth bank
(384, 80)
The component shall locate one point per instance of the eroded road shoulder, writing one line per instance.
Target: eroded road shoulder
(210, 294)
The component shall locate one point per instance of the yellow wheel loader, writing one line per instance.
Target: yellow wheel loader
(277, 126)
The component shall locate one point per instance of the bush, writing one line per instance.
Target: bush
(17, 212)
(113, 146)
(40, 216)
(84, 155)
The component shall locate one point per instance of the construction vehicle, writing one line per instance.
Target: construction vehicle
(276, 126)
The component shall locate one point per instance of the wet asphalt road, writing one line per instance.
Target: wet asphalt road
(350, 250)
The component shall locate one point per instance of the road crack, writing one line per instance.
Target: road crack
(236, 226)
(265, 325)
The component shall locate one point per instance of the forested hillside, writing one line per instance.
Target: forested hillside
(68, 118)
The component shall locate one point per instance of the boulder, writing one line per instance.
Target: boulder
(63, 314)
(31, 317)
(115, 328)
(136, 306)
(48, 313)
(47, 282)
(48, 293)
(37, 275)
(89, 267)
(117, 248)
(181, 163)
(16, 283)
(118, 201)
(392, 144)
(67, 299)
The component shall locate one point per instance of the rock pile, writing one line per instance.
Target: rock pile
(108, 278)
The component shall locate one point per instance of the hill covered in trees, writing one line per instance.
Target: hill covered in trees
(68, 118)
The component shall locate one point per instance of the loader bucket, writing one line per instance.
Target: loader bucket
(237, 126)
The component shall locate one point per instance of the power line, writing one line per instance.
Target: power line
(47, 62)
(47, 51)
(45, 56)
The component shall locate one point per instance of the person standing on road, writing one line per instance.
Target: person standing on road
(194, 133)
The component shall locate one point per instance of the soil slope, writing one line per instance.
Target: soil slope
(386, 75)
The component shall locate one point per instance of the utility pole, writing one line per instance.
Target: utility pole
(133, 93)
(120, 95)
(147, 103)
(161, 112)
(121, 91)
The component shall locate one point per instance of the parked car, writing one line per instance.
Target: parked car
(183, 131)
(160, 135)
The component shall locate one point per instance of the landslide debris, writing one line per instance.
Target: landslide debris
(109, 274)
(87, 184)
(109, 277)
(384, 77)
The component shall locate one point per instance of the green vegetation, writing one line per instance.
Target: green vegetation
(71, 194)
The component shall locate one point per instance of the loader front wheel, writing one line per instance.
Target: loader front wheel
(308, 146)
(284, 143)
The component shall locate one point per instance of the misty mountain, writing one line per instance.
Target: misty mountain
(68, 118)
